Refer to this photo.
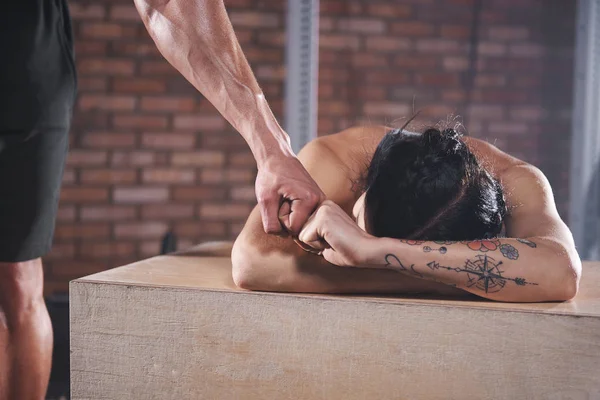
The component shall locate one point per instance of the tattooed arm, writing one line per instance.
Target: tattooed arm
(537, 262)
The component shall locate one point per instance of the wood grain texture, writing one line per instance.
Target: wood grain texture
(175, 327)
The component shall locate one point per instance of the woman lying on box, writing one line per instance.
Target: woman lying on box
(433, 213)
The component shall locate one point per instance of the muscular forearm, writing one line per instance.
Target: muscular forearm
(197, 38)
(499, 269)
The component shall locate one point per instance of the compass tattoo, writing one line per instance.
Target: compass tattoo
(483, 273)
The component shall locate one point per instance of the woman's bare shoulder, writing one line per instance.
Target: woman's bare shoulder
(491, 157)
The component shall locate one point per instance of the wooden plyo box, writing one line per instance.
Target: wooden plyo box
(175, 327)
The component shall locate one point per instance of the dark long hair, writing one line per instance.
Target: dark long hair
(431, 187)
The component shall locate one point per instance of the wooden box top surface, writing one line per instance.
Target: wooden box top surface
(200, 269)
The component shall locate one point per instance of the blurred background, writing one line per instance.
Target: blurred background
(149, 155)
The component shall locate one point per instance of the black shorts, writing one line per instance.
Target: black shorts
(31, 169)
(38, 83)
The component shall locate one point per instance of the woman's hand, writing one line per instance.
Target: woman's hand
(341, 240)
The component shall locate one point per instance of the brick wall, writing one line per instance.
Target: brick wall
(149, 154)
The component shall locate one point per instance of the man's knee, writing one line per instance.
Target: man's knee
(21, 289)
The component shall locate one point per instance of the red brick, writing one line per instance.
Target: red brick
(367, 59)
(528, 113)
(508, 128)
(198, 158)
(159, 68)
(200, 229)
(108, 140)
(236, 228)
(82, 231)
(140, 195)
(361, 25)
(198, 193)
(508, 33)
(487, 80)
(270, 72)
(529, 50)
(237, 3)
(170, 140)
(413, 29)
(437, 45)
(140, 121)
(129, 49)
(270, 38)
(83, 195)
(86, 157)
(491, 49)
(389, 77)
(171, 175)
(107, 31)
(246, 193)
(478, 112)
(334, 107)
(138, 85)
(103, 102)
(107, 176)
(90, 48)
(418, 62)
(91, 84)
(223, 141)
(245, 36)
(108, 249)
(61, 251)
(342, 42)
(69, 176)
(225, 211)
(370, 93)
(124, 13)
(107, 213)
(168, 103)
(395, 110)
(65, 213)
(80, 11)
(391, 44)
(262, 55)
(325, 24)
(389, 10)
(437, 79)
(140, 229)
(134, 158)
(242, 159)
(105, 66)
(455, 31)
(456, 63)
(150, 248)
(73, 269)
(253, 19)
(167, 211)
(231, 175)
(200, 122)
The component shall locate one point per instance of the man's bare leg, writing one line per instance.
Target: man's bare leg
(25, 332)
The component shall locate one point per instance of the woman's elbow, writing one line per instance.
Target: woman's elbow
(568, 281)
(242, 267)
(250, 271)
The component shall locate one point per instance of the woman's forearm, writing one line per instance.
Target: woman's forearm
(499, 269)
(197, 38)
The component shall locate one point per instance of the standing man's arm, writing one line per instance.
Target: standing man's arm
(197, 38)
